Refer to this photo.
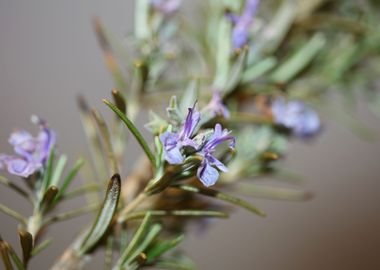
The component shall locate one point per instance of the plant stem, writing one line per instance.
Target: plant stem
(131, 206)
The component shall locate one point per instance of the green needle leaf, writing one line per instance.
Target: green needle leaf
(276, 193)
(135, 240)
(16, 188)
(104, 132)
(5, 256)
(26, 241)
(47, 173)
(133, 130)
(69, 178)
(109, 58)
(152, 234)
(222, 196)
(288, 70)
(12, 213)
(71, 214)
(105, 215)
(119, 100)
(48, 198)
(58, 170)
(37, 249)
(161, 247)
(180, 213)
(14, 256)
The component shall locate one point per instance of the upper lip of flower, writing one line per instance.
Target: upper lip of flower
(32, 151)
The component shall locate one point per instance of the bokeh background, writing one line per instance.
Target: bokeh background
(49, 55)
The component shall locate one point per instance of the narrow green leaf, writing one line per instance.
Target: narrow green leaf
(175, 263)
(234, 77)
(39, 248)
(221, 196)
(104, 133)
(105, 215)
(58, 170)
(90, 188)
(163, 246)
(108, 256)
(69, 178)
(142, 30)
(5, 256)
(180, 213)
(47, 173)
(98, 162)
(151, 235)
(26, 242)
(119, 100)
(71, 214)
(12, 213)
(275, 192)
(124, 235)
(6, 182)
(189, 96)
(109, 58)
(48, 199)
(259, 69)
(276, 30)
(16, 260)
(133, 130)
(301, 59)
(139, 234)
(223, 54)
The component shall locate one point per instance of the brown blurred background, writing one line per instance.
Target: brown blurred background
(49, 54)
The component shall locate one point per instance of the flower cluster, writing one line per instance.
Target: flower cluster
(242, 23)
(295, 115)
(32, 152)
(175, 143)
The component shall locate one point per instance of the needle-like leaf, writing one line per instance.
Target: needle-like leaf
(26, 241)
(133, 130)
(105, 215)
(12, 213)
(221, 196)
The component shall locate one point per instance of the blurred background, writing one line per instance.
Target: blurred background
(49, 54)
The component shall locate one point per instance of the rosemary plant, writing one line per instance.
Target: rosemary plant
(239, 82)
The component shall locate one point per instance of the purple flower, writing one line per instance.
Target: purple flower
(174, 142)
(33, 152)
(295, 115)
(240, 32)
(166, 7)
(207, 172)
(217, 107)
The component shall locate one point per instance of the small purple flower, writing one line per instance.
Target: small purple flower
(166, 7)
(207, 172)
(240, 32)
(173, 142)
(217, 107)
(295, 115)
(33, 152)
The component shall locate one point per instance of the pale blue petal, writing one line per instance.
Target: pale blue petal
(21, 167)
(215, 162)
(174, 156)
(207, 174)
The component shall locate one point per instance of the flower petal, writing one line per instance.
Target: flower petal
(169, 140)
(174, 156)
(207, 174)
(192, 120)
(22, 167)
(216, 162)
